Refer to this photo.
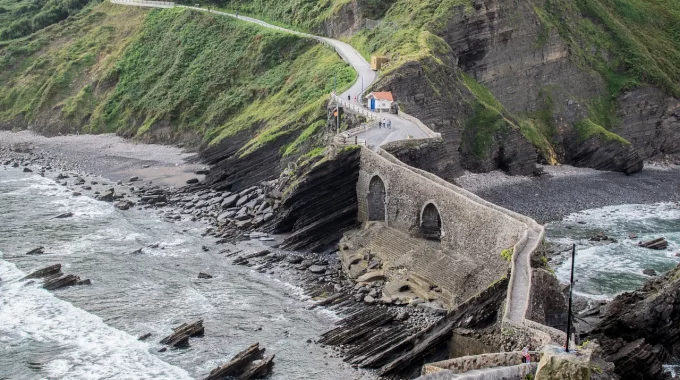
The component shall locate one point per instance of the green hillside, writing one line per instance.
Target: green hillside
(185, 74)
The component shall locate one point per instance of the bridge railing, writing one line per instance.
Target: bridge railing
(430, 133)
(356, 108)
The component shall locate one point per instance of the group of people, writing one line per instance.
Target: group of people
(384, 123)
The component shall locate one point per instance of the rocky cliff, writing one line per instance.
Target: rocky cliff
(640, 330)
(320, 200)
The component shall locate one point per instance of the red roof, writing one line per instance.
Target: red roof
(383, 95)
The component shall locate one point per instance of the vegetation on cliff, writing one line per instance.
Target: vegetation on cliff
(169, 75)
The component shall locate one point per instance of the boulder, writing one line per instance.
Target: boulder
(204, 275)
(192, 181)
(123, 205)
(133, 179)
(371, 276)
(649, 272)
(107, 196)
(318, 269)
(182, 333)
(27, 170)
(64, 215)
(229, 201)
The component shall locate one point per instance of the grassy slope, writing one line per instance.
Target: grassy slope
(198, 74)
(21, 18)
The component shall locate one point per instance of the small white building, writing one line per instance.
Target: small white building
(379, 101)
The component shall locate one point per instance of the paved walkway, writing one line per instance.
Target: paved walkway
(520, 287)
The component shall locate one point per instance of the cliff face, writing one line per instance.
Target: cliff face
(546, 75)
(641, 330)
(320, 200)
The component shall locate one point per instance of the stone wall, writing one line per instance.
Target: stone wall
(466, 225)
(473, 362)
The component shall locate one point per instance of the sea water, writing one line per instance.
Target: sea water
(605, 269)
(90, 332)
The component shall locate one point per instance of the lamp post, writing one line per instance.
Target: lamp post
(571, 290)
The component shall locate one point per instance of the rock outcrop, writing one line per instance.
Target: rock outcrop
(320, 201)
(640, 330)
(426, 154)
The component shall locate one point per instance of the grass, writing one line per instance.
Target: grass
(587, 129)
(507, 254)
(132, 71)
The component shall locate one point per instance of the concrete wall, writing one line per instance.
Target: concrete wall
(468, 226)
(474, 362)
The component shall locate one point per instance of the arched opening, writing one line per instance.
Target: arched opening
(376, 199)
(431, 223)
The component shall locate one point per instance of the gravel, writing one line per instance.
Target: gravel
(563, 190)
(109, 156)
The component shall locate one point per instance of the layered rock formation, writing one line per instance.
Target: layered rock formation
(320, 201)
(640, 330)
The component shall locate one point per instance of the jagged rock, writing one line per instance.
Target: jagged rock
(649, 272)
(123, 205)
(247, 364)
(36, 251)
(49, 271)
(27, 170)
(640, 330)
(321, 205)
(182, 333)
(229, 201)
(192, 181)
(204, 275)
(76, 194)
(107, 196)
(84, 282)
(659, 243)
(144, 337)
(61, 282)
(223, 217)
(64, 215)
(133, 179)
(431, 307)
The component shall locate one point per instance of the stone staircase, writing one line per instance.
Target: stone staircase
(432, 265)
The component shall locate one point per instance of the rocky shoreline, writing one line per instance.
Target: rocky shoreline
(230, 218)
(562, 190)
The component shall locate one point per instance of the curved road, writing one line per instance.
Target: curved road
(401, 129)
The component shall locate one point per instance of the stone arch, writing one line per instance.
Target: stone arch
(431, 222)
(376, 199)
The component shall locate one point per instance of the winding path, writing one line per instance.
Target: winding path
(403, 128)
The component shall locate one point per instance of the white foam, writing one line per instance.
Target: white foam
(85, 347)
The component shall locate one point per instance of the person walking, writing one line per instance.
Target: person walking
(526, 357)
(389, 124)
(349, 97)
(379, 124)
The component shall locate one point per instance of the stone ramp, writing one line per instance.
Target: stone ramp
(425, 262)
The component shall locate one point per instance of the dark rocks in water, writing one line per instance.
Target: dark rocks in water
(52, 270)
(27, 170)
(204, 275)
(649, 272)
(15, 165)
(123, 205)
(36, 251)
(144, 337)
(62, 176)
(86, 187)
(61, 282)
(182, 333)
(192, 181)
(76, 194)
(602, 237)
(247, 364)
(64, 215)
(640, 331)
(243, 260)
(85, 282)
(107, 196)
(137, 252)
(322, 203)
(202, 171)
(133, 179)
(658, 244)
